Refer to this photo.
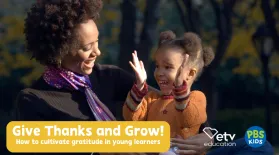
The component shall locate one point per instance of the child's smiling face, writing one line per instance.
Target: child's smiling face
(167, 62)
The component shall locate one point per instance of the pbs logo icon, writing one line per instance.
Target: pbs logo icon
(255, 136)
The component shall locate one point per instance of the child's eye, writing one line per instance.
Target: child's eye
(157, 66)
(168, 67)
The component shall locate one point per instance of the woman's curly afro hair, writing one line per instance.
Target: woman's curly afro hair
(50, 27)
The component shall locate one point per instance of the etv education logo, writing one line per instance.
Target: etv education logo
(255, 136)
(219, 137)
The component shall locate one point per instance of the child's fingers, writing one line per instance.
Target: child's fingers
(136, 60)
(186, 57)
(133, 66)
(142, 66)
(178, 72)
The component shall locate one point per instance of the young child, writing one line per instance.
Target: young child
(179, 61)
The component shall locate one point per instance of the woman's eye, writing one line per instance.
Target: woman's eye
(157, 66)
(87, 47)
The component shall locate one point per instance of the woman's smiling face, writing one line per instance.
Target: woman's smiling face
(83, 60)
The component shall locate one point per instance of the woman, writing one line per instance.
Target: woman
(62, 36)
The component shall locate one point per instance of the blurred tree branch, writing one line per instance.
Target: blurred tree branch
(224, 25)
(276, 8)
(183, 16)
(243, 18)
(270, 21)
(189, 15)
(127, 33)
(148, 35)
(193, 15)
(223, 14)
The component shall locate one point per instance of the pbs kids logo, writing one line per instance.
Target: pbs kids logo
(255, 136)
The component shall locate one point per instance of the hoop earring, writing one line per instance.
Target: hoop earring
(59, 63)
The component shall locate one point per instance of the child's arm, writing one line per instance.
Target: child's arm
(191, 109)
(137, 103)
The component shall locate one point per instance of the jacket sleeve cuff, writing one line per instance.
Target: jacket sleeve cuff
(137, 95)
(181, 95)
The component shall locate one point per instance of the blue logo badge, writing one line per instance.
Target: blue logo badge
(255, 136)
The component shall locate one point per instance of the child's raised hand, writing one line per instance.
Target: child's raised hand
(182, 71)
(139, 70)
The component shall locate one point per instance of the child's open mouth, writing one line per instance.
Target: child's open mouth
(163, 83)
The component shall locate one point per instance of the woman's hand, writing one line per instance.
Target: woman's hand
(191, 145)
(182, 72)
(139, 70)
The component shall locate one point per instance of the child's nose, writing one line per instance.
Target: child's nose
(160, 73)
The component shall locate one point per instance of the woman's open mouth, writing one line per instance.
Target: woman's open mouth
(89, 63)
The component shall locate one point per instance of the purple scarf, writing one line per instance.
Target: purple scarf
(62, 78)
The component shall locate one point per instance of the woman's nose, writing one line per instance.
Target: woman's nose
(96, 51)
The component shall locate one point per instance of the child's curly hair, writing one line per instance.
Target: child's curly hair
(50, 27)
(191, 44)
